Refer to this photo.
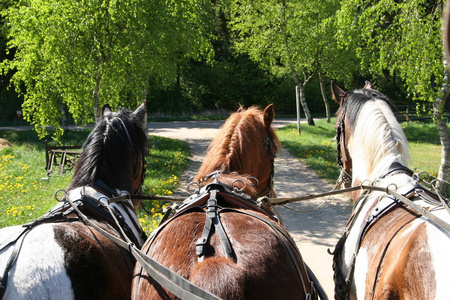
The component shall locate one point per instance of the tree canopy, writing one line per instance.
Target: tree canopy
(80, 55)
(401, 37)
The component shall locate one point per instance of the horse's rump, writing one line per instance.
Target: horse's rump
(259, 253)
(219, 243)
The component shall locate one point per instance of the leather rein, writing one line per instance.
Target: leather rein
(344, 178)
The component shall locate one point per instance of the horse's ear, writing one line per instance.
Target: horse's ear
(141, 112)
(269, 115)
(368, 85)
(106, 110)
(337, 92)
(241, 109)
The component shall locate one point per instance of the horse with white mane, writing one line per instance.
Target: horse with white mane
(388, 250)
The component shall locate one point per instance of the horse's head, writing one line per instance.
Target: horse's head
(114, 151)
(246, 145)
(343, 158)
(344, 130)
(369, 138)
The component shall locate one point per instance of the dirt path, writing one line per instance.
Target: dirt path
(314, 232)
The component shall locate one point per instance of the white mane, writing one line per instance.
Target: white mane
(377, 141)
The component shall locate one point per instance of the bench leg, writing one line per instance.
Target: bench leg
(63, 162)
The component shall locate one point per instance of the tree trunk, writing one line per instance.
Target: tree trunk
(324, 97)
(292, 68)
(305, 105)
(438, 114)
(302, 97)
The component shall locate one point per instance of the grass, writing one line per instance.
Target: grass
(168, 158)
(315, 147)
(26, 193)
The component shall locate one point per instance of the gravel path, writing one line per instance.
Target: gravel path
(314, 232)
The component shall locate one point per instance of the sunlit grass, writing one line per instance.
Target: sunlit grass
(26, 193)
(166, 162)
(315, 147)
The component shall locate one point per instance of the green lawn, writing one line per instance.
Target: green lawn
(316, 148)
(26, 192)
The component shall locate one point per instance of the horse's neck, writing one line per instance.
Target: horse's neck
(364, 169)
(376, 142)
(123, 208)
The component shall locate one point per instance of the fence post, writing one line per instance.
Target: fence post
(297, 101)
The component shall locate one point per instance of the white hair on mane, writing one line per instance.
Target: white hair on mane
(377, 141)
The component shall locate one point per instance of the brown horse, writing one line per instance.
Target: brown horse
(241, 252)
(388, 250)
(59, 256)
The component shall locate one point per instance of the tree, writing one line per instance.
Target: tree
(81, 54)
(280, 36)
(403, 38)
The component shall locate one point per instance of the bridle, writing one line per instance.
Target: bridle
(268, 144)
(344, 177)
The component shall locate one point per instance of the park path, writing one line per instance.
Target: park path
(314, 232)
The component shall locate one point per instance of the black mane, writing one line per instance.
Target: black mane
(358, 98)
(112, 152)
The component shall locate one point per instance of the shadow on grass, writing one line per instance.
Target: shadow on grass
(422, 133)
(30, 137)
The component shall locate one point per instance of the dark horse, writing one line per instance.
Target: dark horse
(389, 250)
(59, 256)
(237, 250)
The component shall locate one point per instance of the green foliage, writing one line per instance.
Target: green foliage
(79, 55)
(166, 162)
(401, 37)
(289, 35)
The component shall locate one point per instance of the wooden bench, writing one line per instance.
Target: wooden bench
(64, 156)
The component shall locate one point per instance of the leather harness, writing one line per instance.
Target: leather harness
(212, 200)
(64, 212)
(385, 206)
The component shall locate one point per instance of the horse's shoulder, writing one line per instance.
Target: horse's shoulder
(8, 234)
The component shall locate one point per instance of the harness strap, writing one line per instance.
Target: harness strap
(18, 241)
(212, 218)
(12, 259)
(342, 285)
(170, 280)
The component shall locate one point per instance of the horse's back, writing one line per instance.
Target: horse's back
(262, 268)
(411, 264)
(439, 244)
(38, 272)
(65, 261)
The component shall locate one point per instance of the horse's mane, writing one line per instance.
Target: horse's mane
(377, 139)
(112, 152)
(239, 140)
